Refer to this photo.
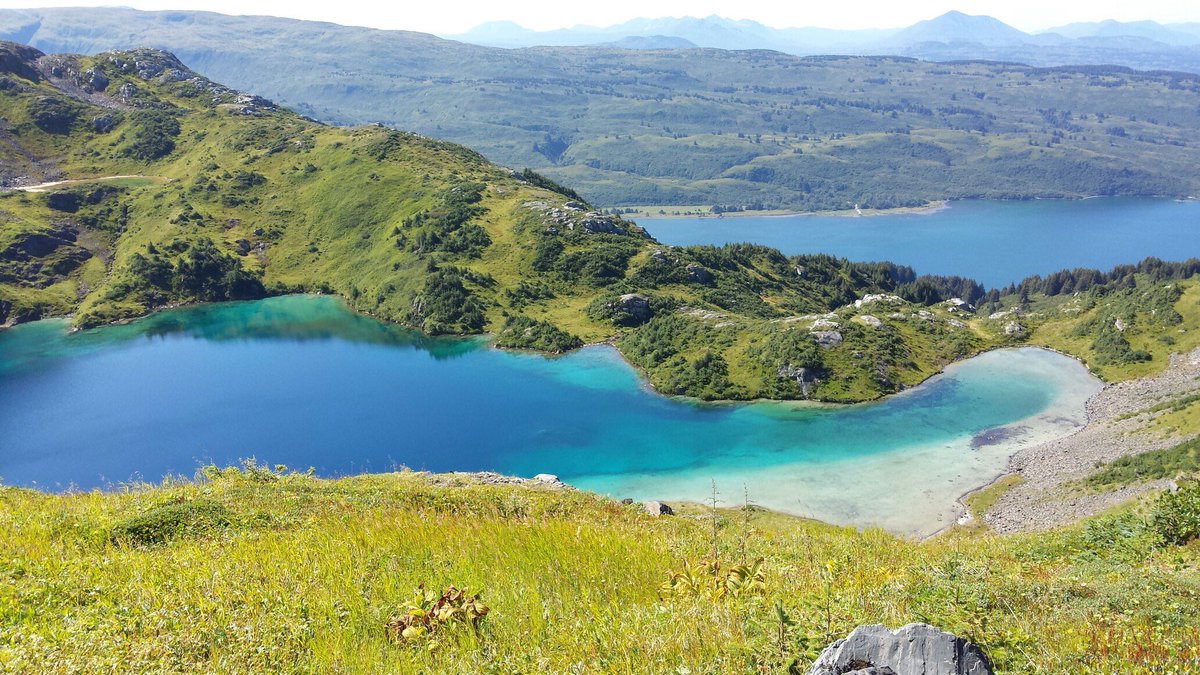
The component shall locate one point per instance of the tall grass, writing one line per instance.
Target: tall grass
(304, 573)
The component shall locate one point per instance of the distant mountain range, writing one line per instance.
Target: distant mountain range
(954, 35)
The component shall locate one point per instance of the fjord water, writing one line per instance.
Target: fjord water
(302, 381)
(993, 242)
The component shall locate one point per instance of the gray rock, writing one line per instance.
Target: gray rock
(636, 305)
(828, 339)
(698, 274)
(657, 509)
(1014, 328)
(95, 79)
(103, 123)
(916, 649)
(804, 377)
(871, 321)
(546, 478)
(127, 92)
(598, 222)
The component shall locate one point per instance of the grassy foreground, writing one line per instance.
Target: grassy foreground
(257, 571)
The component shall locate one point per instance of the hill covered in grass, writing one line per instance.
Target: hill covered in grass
(738, 129)
(258, 570)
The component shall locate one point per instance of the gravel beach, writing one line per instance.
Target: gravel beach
(1042, 500)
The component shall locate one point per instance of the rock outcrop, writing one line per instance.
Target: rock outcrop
(827, 339)
(916, 649)
(635, 305)
(657, 509)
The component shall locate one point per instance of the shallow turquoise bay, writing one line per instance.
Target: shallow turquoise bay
(302, 381)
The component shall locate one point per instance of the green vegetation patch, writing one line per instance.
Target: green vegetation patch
(522, 332)
(1183, 458)
(172, 521)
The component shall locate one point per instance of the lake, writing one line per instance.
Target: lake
(993, 242)
(302, 381)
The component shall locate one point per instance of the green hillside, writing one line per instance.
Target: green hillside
(740, 129)
(259, 571)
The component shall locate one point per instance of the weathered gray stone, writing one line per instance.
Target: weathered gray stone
(103, 123)
(698, 274)
(805, 377)
(546, 478)
(827, 339)
(916, 649)
(1014, 328)
(657, 509)
(636, 305)
(871, 321)
(95, 79)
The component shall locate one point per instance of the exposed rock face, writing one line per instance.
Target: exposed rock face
(636, 305)
(657, 509)
(698, 274)
(871, 321)
(916, 649)
(1014, 328)
(103, 123)
(41, 259)
(828, 339)
(872, 298)
(95, 79)
(18, 60)
(824, 324)
(805, 377)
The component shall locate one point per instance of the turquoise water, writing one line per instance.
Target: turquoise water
(993, 242)
(302, 381)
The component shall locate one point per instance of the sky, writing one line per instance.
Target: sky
(457, 16)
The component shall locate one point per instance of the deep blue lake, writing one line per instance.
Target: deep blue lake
(302, 381)
(996, 243)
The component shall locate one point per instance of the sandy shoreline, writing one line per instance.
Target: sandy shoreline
(1045, 498)
(647, 212)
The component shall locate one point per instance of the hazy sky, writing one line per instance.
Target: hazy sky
(457, 16)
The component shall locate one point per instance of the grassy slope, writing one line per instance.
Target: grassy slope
(304, 573)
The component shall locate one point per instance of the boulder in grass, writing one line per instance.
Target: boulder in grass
(916, 649)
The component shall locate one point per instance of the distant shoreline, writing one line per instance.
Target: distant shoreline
(651, 212)
(677, 212)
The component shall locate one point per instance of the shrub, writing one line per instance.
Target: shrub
(522, 332)
(1176, 515)
(431, 615)
(171, 521)
(709, 580)
(53, 115)
(446, 305)
(152, 135)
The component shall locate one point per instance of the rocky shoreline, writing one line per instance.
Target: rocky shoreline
(1045, 497)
